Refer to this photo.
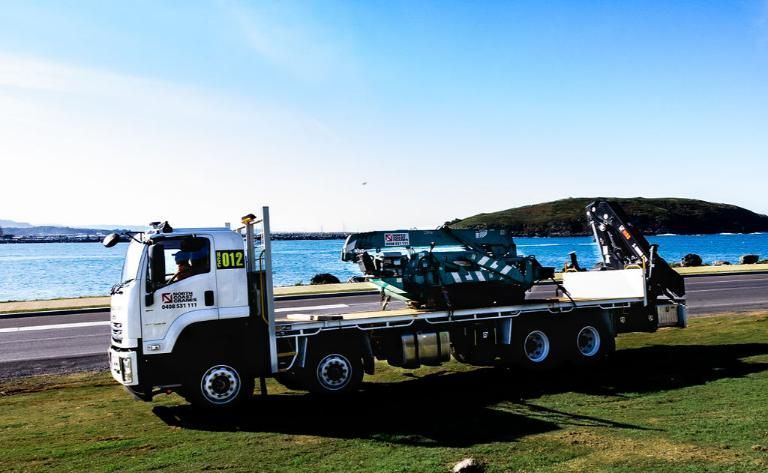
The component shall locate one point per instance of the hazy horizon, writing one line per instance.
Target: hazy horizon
(276, 230)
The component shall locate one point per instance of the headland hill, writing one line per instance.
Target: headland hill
(564, 217)
(652, 216)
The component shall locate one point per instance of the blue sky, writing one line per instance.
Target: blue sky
(201, 111)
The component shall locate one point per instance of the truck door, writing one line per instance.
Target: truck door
(185, 296)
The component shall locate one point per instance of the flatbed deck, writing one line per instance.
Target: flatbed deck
(294, 324)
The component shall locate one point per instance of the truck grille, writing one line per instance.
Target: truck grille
(117, 331)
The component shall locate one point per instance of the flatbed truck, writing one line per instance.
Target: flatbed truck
(209, 335)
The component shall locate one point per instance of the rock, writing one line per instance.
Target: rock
(324, 278)
(749, 259)
(357, 279)
(469, 465)
(720, 263)
(690, 260)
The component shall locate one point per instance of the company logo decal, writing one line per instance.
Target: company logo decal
(396, 239)
(178, 300)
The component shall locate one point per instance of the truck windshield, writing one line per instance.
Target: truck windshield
(132, 261)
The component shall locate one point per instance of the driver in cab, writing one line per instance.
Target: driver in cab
(183, 268)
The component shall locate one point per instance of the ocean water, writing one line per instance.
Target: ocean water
(52, 270)
(553, 251)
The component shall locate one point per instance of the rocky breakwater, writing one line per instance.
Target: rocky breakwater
(692, 260)
(309, 235)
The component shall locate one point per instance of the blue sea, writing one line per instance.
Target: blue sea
(53, 270)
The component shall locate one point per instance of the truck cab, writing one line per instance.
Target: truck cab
(177, 284)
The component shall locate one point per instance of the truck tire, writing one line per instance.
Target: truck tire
(536, 346)
(218, 385)
(290, 380)
(332, 371)
(460, 346)
(589, 342)
(460, 354)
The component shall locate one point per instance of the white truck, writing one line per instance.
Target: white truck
(210, 330)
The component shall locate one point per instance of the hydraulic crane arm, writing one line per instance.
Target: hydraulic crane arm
(622, 245)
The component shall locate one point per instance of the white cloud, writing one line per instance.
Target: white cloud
(81, 145)
(285, 35)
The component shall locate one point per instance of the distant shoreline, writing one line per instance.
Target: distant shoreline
(97, 238)
(310, 236)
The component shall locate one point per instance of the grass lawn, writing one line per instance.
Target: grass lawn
(678, 400)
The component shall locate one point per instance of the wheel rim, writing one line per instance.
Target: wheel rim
(220, 384)
(588, 341)
(536, 346)
(334, 372)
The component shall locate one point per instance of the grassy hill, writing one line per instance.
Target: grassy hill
(566, 217)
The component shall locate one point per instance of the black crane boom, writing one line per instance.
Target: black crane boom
(622, 245)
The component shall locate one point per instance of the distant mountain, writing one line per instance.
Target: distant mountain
(134, 228)
(567, 217)
(23, 229)
(11, 223)
(47, 230)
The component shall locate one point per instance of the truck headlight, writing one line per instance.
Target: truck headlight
(127, 370)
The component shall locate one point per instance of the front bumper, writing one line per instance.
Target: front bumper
(144, 376)
(124, 367)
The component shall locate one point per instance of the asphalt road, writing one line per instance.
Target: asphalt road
(63, 343)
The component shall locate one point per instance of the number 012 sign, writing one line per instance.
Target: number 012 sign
(230, 259)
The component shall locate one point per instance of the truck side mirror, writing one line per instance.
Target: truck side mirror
(156, 266)
(111, 240)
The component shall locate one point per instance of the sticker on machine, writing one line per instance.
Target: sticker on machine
(396, 239)
(178, 300)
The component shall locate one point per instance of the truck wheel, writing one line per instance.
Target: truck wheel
(536, 347)
(219, 386)
(332, 372)
(460, 354)
(290, 380)
(590, 343)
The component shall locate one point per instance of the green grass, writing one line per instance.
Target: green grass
(678, 400)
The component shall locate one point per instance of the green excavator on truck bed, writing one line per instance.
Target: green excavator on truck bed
(447, 268)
